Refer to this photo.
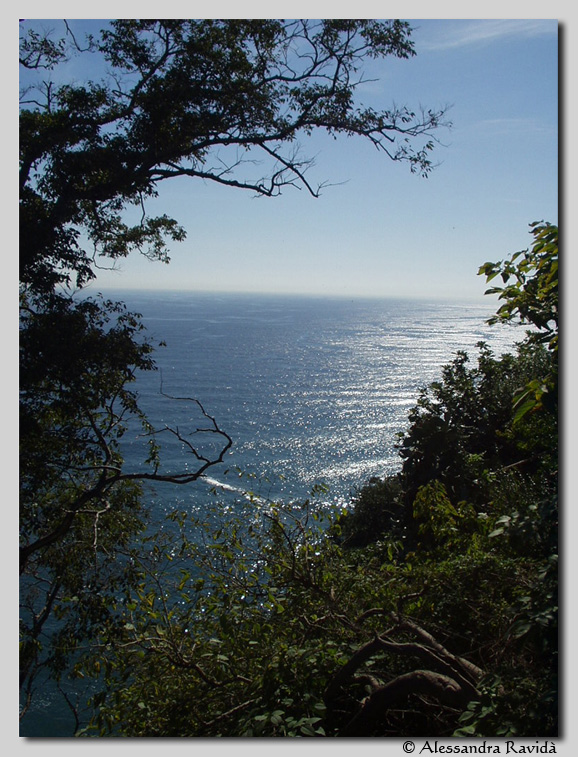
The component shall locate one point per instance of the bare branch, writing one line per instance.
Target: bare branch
(450, 679)
(423, 682)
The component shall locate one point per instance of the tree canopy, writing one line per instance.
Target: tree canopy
(225, 101)
(530, 294)
(219, 100)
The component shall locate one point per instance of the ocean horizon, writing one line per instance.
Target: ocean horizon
(311, 389)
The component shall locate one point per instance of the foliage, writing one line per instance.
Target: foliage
(276, 639)
(531, 295)
(75, 367)
(92, 157)
(267, 626)
(462, 428)
(240, 91)
(377, 512)
(80, 508)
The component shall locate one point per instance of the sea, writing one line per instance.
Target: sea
(311, 391)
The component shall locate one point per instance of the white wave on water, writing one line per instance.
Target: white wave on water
(214, 483)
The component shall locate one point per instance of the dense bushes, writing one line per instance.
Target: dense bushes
(430, 608)
(377, 511)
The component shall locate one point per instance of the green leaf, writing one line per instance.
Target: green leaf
(469, 730)
(520, 628)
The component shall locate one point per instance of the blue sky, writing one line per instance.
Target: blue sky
(378, 230)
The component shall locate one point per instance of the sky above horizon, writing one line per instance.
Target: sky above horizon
(376, 229)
